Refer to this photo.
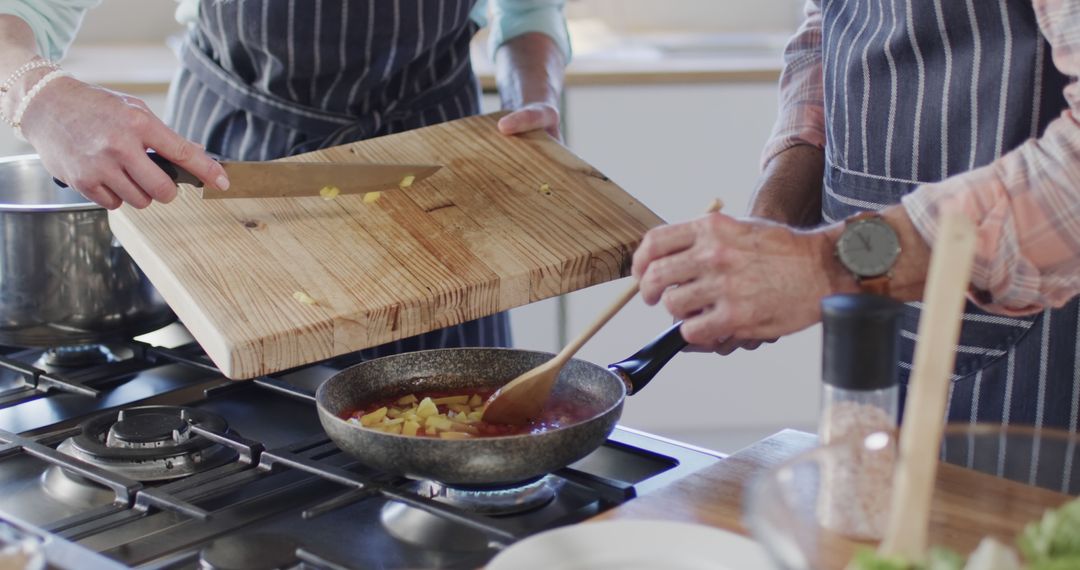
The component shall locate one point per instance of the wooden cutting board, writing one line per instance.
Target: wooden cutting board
(506, 221)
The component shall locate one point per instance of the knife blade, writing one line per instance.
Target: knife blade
(298, 179)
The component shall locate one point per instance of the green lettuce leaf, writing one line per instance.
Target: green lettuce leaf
(943, 559)
(1064, 563)
(1055, 536)
(867, 559)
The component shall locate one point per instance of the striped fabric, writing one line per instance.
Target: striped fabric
(931, 100)
(262, 79)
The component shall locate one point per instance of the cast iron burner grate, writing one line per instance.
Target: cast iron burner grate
(150, 443)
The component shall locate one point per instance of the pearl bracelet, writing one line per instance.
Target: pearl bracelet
(27, 67)
(16, 119)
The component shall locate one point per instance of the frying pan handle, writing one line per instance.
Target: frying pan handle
(639, 369)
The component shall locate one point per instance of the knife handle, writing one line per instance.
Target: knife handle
(177, 174)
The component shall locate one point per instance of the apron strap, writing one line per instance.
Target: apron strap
(259, 103)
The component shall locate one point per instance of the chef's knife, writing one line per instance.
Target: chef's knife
(296, 179)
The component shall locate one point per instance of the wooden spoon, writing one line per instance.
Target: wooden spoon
(523, 398)
(924, 416)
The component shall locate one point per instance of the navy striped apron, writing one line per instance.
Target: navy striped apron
(919, 90)
(262, 79)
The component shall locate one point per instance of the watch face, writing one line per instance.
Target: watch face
(868, 248)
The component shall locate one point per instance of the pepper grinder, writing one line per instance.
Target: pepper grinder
(861, 336)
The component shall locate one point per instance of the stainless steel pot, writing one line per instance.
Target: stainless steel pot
(64, 279)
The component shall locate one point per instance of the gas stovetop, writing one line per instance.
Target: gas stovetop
(144, 456)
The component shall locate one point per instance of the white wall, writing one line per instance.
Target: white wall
(123, 21)
(691, 15)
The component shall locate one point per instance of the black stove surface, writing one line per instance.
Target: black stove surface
(285, 497)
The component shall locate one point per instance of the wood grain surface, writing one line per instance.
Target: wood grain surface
(507, 221)
(967, 505)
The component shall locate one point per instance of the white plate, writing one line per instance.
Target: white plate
(633, 545)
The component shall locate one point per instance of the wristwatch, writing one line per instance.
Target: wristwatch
(868, 248)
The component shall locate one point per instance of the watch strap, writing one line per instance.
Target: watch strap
(864, 215)
(878, 285)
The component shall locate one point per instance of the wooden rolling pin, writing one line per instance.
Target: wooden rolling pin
(924, 416)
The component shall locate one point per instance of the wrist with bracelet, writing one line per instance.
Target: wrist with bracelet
(8, 88)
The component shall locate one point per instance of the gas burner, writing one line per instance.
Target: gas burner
(76, 356)
(150, 443)
(506, 500)
(419, 527)
(256, 551)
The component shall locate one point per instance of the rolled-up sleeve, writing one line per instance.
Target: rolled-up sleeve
(54, 22)
(1026, 204)
(802, 92)
(513, 18)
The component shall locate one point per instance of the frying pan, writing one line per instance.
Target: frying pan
(491, 461)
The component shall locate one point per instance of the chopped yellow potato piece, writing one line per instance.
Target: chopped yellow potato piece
(303, 298)
(545, 189)
(429, 416)
(426, 408)
(452, 400)
(329, 192)
(458, 426)
(372, 197)
(407, 181)
(454, 435)
(373, 418)
(438, 423)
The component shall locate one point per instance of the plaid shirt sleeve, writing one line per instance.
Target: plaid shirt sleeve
(802, 110)
(1026, 204)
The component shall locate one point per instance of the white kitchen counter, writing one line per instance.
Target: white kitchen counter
(600, 58)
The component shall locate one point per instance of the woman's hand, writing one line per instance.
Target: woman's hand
(532, 117)
(95, 140)
(529, 71)
(735, 282)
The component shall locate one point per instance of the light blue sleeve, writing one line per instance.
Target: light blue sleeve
(512, 18)
(54, 22)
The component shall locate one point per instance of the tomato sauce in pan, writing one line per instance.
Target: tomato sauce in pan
(557, 413)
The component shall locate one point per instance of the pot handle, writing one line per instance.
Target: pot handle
(639, 369)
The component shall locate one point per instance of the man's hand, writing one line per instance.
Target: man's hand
(95, 140)
(734, 282)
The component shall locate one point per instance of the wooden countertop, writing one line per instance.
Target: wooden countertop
(142, 69)
(714, 496)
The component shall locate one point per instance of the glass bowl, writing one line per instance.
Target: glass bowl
(815, 511)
